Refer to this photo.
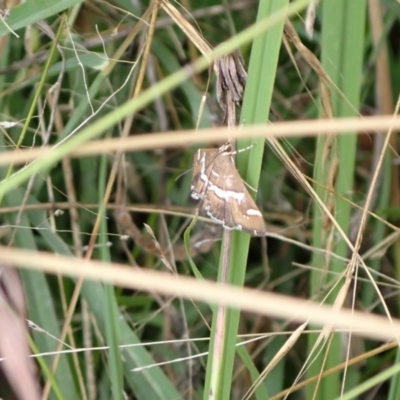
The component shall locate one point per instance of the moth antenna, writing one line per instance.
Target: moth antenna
(250, 187)
(183, 173)
(244, 149)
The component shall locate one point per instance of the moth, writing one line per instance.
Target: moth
(224, 195)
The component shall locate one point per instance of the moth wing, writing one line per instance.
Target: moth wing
(201, 170)
(247, 216)
(241, 212)
(198, 187)
(215, 207)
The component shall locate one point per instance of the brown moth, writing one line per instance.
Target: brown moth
(218, 184)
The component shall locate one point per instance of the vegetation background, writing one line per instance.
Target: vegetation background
(92, 78)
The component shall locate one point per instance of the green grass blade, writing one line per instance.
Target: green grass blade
(394, 391)
(376, 380)
(342, 55)
(257, 98)
(46, 370)
(30, 12)
(111, 308)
